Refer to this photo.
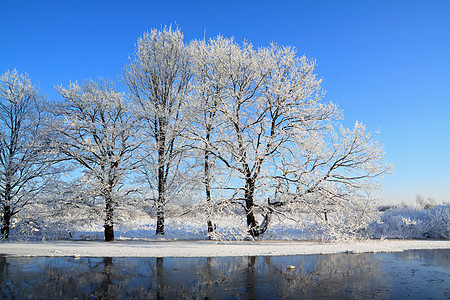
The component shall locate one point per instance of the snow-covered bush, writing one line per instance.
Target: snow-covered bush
(410, 222)
(348, 224)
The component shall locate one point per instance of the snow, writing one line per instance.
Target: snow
(399, 229)
(397, 223)
(206, 248)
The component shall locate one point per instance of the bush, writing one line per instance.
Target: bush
(410, 222)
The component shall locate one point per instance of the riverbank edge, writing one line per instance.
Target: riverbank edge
(206, 248)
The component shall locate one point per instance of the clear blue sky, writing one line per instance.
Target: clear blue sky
(386, 63)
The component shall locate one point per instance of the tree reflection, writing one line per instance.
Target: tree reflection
(208, 279)
(160, 278)
(250, 278)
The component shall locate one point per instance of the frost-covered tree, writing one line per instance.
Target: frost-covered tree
(271, 125)
(208, 84)
(259, 96)
(25, 158)
(158, 77)
(95, 127)
(426, 203)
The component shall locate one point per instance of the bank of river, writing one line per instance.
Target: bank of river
(206, 248)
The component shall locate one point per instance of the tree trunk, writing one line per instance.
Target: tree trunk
(159, 219)
(109, 224)
(210, 227)
(254, 229)
(6, 222)
(161, 140)
(252, 225)
(208, 192)
(265, 223)
(109, 233)
(7, 213)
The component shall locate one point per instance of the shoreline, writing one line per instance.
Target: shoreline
(207, 248)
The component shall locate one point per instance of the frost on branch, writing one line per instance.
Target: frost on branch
(333, 176)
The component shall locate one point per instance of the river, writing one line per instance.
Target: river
(414, 274)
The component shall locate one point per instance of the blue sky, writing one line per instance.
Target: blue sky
(386, 63)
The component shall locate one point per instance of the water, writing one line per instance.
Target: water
(411, 274)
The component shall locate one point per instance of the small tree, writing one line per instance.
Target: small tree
(158, 77)
(96, 128)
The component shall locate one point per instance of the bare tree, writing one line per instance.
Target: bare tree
(25, 159)
(96, 128)
(158, 77)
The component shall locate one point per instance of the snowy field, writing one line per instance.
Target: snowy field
(399, 229)
(397, 223)
(209, 248)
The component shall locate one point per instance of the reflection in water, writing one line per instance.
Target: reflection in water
(419, 274)
(160, 278)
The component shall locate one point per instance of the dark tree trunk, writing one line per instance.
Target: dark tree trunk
(210, 227)
(109, 233)
(252, 225)
(208, 191)
(7, 213)
(159, 219)
(265, 223)
(254, 229)
(161, 141)
(6, 222)
(109, 224)
(160, 215)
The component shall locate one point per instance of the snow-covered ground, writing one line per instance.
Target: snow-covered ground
(205, 248)
(399, 229)
(397, 223)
